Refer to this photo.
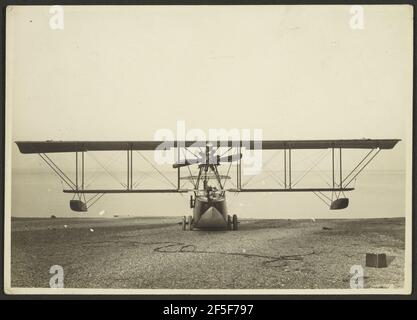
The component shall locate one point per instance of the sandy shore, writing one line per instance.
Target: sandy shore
(156, 253)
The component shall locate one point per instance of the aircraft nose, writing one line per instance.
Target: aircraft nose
(211, 218)
(211, 213)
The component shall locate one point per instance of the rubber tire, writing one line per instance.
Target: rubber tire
(184, 223)
(190, 223)
(235, 222)
(229, 222)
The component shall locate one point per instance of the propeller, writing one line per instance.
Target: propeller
(231, 158)
(187, 162)
(209, 155)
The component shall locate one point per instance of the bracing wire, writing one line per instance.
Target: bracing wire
(227, 174)
(98, 198)
(165, 177)
(107, 171)
(311, 168)
(266, 163)
(315, 193)
(188, 167)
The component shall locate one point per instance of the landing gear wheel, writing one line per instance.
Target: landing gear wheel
(190, 223)
(235, 222)
(229, 222)
(184, 223)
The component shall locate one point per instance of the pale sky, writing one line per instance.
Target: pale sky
(296, 72)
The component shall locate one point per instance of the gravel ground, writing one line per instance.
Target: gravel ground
(156, 253)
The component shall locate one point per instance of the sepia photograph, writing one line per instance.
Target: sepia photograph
(262, 150)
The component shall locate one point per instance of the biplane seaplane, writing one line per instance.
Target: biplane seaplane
(208, 191)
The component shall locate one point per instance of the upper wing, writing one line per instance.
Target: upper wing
(78, 146)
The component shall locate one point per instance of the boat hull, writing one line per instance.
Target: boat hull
(210, 214)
